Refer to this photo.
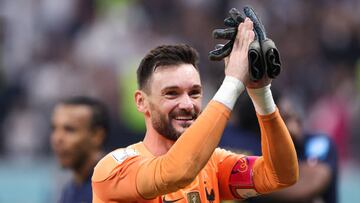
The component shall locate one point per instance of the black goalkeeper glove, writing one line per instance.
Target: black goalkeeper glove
(263, 55)
(221, 51)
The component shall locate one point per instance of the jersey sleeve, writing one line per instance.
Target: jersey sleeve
(242, 176)
(137, 177)
(278, 167)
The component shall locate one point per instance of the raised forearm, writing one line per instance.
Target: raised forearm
(279, 160)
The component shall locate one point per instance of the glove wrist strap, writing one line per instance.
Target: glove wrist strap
(262, 99)
(229, 91)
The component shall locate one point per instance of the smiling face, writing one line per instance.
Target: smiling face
(174, 99)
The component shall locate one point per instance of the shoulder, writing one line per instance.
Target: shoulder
(116, 159)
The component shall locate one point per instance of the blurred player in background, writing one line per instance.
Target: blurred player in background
(79, 127)
(178, 160)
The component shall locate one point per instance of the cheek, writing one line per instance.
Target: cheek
(164, 107)
(197, 105)
(79, 148)
(76, 142)
(83, 141)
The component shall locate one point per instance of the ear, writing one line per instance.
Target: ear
(141, 101)
(98, 137)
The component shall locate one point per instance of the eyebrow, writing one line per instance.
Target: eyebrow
(176, 87)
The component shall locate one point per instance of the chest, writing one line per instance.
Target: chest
(203, 189)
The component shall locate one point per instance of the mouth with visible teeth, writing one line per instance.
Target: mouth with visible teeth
(184, 120)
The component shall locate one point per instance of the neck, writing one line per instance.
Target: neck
(157, 144)
(82, 173)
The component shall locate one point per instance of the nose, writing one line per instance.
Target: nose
(186, 103)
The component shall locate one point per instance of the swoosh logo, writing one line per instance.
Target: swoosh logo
(170, 201)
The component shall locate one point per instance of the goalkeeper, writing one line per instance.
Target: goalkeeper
(178, 160)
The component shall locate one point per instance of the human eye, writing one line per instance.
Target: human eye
(70, 129)
(195, 93)
(171, 94)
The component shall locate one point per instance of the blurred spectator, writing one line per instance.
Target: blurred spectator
(79, 127)
(336, 100)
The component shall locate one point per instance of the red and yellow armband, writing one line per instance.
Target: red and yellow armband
(241, 178)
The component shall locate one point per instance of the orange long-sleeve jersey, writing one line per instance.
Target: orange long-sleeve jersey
(194, 170)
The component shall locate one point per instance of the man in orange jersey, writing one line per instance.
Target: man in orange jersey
(178, 160)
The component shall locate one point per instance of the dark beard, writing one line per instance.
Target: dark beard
(164, 127)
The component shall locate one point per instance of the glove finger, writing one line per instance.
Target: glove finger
(230, 22)
(219, 46)
(272, 58)
(228, 33)
(258, 26)
(220, 53)
(214, 55)
(256, 63)
(273, 61)
(236, 15)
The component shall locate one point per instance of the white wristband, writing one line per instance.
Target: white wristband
(262, 100)
(229, 91)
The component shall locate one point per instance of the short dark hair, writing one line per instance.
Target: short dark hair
(100, 116)
(165, 55)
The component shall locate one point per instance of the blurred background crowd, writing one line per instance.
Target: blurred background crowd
(53, 49)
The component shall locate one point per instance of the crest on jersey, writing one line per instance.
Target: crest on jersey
(193, 197)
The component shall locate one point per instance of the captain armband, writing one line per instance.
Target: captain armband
(241, 178)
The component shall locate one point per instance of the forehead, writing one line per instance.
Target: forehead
(65, 113)
(182, 75)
